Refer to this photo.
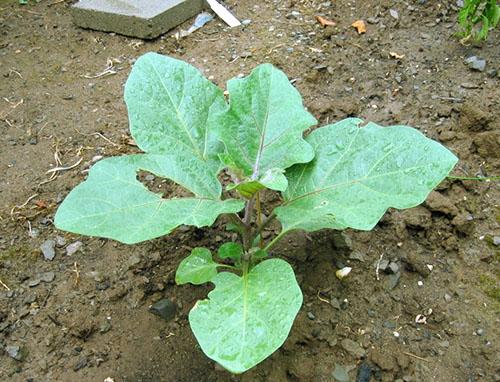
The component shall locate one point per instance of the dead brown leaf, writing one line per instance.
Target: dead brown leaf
(325, 22)
(360, 26)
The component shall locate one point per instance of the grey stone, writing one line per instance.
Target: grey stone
(394, 13)
(164, 308)
(353, 348)
(340, 373)
(475, 63)
(496, 240)
(393, 267)
(356, 255)
(14, 352)
(72, 248)
(47, 277)
(364, 373)
(48, 249)
(137, 18)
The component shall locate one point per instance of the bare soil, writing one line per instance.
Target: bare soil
(92, 320)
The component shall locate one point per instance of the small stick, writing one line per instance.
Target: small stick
(65, 168)
(77, 273)
(4, 285)
(415, 356)
(323, 299)
(378, 266)
(22, 205)
(106, 139)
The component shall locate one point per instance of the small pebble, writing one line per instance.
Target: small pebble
(420, 283)
(48, 249)
(47, 277)
(340, 373)
(496, 240)
(475, 63)
(164, 308)
(311, 316)
(394, 14)
(72, 248)
(246, 22)
(14, 352)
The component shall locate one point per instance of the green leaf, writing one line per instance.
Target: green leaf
(230, 251)
(112, 203)
(198, 268)
(358, 173)
(262, 130)
(245, 319)
(172, 108)
(273, 179)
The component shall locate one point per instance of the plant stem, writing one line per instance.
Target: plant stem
(275, 240)
(487, 178)
(259, 217)
(247, 234)
(265, 223)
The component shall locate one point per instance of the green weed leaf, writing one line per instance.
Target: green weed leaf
(245, 319)
(198, 268)
(358, 173)
(112, 203)
(262, 130)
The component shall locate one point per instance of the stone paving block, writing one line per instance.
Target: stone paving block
(137, 18)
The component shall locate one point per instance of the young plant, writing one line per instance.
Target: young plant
(483, 13)
(341, 175)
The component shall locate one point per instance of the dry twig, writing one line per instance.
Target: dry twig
(77, 273)
(4, 285)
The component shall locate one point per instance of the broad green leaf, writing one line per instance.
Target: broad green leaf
(358, 173)
(263, 127)
(112, 203)
(172, 108)
(273, 179)
(230, 251)
(198, 268)
(245, 319)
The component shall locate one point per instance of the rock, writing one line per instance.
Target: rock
(437, 202)
(364, 373)
(392, 281)
(356, 255)
(496, 240)
(105, 326)
(72, 248)
(382, 265)
(81, 363)
(341, 240)
(34, 282)
(48, 249)
(47, 277)
(394, 14)
(134, 17)
(353, 348)
(340, 373)
(60, 241)
(488, 144)
(164, 308)
(15, 352)
(311, 316)
(372, 20)
(383, 360)
(475, 63)
(392, 268)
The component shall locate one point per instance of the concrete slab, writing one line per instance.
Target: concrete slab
(137, 18)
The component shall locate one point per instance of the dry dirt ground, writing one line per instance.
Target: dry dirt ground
(84, 316)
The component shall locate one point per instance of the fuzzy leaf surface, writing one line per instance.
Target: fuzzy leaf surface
(198, 268)
(172, 107)
(245, 319)
(112, 203)
(358, 173)
(263, 127)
